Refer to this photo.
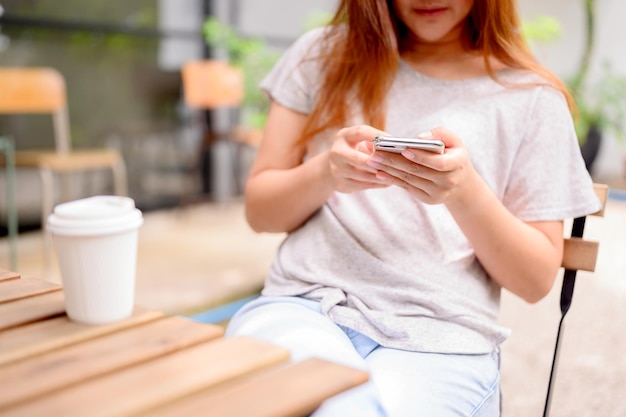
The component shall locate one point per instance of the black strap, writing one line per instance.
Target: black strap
(567, 293)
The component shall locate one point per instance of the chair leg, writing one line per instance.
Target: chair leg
(6, 145)
(47, 186)
(120, 178)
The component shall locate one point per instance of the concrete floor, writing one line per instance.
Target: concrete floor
(201, 255)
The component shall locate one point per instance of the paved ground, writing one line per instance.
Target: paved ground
(203, 255)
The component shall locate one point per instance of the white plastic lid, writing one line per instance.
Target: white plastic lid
(99, 215)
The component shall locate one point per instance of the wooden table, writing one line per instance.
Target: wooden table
(147, 365)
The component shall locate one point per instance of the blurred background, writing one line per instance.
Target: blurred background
(122, 63)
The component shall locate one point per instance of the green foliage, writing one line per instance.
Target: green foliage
(250, 54)
(221, 36)
(317, 19)
(602, 104)
(541, 29)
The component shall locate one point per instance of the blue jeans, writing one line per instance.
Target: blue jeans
(402, 383)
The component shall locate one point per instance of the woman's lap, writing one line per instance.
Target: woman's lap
(428, 384)
(405, 383)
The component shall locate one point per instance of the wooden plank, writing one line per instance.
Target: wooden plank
(6, 275)
(291, 391)
(579, 254)
(76, 160)
(60, 368)
(31, 309)
(148, 385)
(602, 191)
(32, 339)
(26, 287)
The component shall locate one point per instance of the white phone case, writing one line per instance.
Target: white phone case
(397, 145)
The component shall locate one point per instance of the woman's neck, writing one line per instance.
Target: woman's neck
(448, 61)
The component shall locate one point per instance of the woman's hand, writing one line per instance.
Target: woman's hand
(284, 190)
(521, 257)
(431, 178)
(348, 158)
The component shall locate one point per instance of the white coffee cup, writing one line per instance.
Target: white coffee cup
(95, 240)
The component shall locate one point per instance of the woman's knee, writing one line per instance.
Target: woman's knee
(299, 327)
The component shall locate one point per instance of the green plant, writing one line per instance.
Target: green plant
(255, 59)
(602, 102)
(317, 19)
(542, 29)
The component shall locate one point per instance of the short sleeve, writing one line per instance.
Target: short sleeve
(294, 80)
(550, 180)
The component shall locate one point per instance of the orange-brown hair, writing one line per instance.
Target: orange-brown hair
(363, 54)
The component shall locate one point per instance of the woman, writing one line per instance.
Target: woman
(395, 262)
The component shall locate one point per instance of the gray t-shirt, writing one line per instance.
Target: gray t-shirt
(401, 271)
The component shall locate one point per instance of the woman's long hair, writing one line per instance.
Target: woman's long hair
(363, 53)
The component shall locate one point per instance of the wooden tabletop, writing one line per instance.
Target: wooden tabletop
(147, 365)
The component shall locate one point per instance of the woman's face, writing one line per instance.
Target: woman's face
(433, 21)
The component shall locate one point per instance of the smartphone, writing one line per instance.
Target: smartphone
(397, 145)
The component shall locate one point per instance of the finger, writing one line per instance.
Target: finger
(365, 146)
(362, 133)
(366, 177)
(411, 162)
(449, 139)
(360, 159)
(354, 170)
(421, 187)
(427, 159)
(414, 175)
(364, 185)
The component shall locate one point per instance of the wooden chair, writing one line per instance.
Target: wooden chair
(213, 84)
(42, 90)
(579, 254)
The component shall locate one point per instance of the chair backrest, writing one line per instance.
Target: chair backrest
(37, 90)
(211, 84)
(579, 254)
